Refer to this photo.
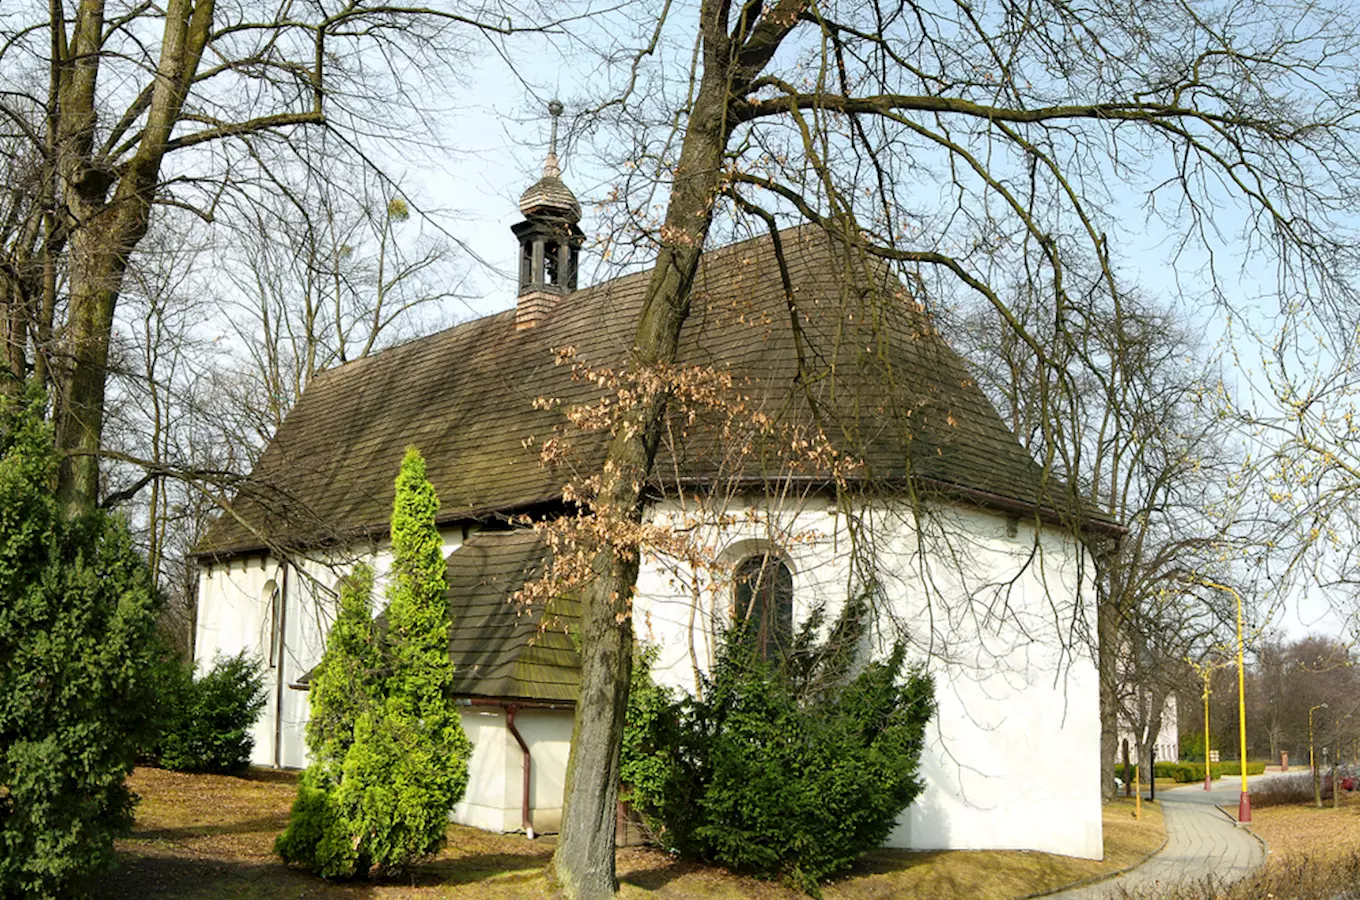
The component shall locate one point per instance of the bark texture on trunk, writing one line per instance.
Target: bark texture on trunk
(583, 864)
(109, 213)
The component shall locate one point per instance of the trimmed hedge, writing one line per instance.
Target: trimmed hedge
(1189, 772)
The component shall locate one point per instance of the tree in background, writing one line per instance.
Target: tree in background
(77, 636)
(1285, 679)
(1141, 435)
(115, 112)
(389, 756)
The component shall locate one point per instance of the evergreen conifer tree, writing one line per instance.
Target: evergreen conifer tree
(345, 686)
(389, 753)
(77, 649)
(347, 682)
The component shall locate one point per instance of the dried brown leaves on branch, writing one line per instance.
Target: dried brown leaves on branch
(739, 439)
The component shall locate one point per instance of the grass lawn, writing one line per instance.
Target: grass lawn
(204, 837)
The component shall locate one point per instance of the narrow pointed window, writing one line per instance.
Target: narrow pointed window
(271, 600)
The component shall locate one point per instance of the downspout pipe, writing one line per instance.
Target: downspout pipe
(525, 819)
(510, 710)
(282, 642)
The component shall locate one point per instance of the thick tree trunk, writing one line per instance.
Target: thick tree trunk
(110, 212)
(13, 339)
(584, 861)
(583, 864)
(98, 264)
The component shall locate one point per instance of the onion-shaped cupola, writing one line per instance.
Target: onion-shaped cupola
(550, 239)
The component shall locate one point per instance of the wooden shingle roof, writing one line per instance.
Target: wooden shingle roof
(498, 648)
(886, 387)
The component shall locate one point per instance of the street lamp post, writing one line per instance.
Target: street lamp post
(1244, 799)
(1206, 671)
(1312, 761)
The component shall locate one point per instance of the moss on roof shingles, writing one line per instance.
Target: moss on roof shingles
(498, 647)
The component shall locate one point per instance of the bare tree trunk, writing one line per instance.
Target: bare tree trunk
(108, 228)
(584, 861)
(98, 263)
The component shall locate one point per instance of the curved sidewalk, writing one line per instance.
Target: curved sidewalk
(1200, 840)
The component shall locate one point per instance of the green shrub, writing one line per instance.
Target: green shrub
(316, 836)
(649, 736)
(1253, 768)
(77, 649)
(389, 757)
(208, 728)
(764, 781)
(1181, 773)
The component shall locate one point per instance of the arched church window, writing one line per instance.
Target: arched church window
(271, 611)
(763, 603)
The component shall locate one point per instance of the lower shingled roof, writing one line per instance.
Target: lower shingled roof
(499, 648)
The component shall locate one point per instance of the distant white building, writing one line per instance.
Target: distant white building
(973, 564)
(1166, 745)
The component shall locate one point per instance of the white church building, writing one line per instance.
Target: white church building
(972, 559)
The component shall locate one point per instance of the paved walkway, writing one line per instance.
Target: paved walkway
(1200, 840)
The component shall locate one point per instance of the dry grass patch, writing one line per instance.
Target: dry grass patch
(205, 837)
(1290, 830)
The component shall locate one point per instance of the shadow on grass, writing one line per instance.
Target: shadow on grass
(882, 862)
(271, 776)
(155, 877)
(476, 867)
(657, 877)
(271, 826)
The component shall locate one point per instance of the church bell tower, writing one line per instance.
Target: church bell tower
(550, 239)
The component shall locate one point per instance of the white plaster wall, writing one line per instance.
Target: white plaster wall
(233, 615)
(991, 607)
(484, 803)
(548, 735)
(496, 769)
(994, 610)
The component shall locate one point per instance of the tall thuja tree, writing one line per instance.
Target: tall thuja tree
(77, 641)
(408, 764)
(346, 683)
(389, 753)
